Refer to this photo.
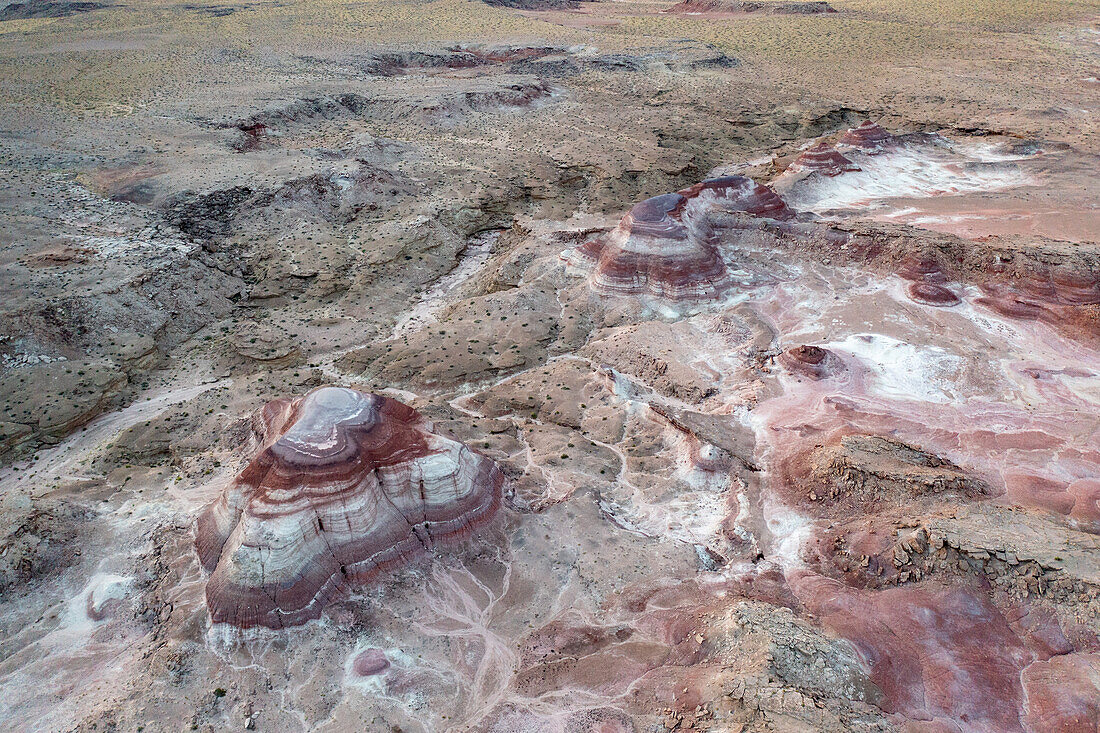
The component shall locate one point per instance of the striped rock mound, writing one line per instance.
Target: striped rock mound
(811, 361)
(665, 246)
(927, 280)
(868, 137)
(738, 194)
(1066, 298)
(823, 159)
(348, 485)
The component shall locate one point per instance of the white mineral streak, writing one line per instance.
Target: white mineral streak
(425, 311)
(909, 171)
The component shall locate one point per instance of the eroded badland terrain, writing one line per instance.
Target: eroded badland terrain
(595, 367)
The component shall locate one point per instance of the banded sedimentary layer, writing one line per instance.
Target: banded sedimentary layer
(1061, 297)
(811, 361)
(348, 485)
(927, 281)
(651, 250)
(868, 137)
(738, 194)
(824, 159)
(667, 246)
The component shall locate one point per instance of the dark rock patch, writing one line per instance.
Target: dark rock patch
(41, 9)
(214, 11)
(810, 7)
(536, 4)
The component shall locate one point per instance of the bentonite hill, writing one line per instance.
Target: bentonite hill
(550, 366)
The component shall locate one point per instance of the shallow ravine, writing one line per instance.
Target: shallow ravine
(81, 641)
(423, 313)
(64, 460)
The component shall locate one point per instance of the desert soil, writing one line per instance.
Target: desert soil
(207, 206)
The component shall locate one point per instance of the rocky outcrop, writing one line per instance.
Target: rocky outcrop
(38, 540)
(1063, 693)
(264, 128)
(99, 291)
(349, 485)
(651, 251)
(43, 403)
(928, 280)
(931, 294)
(370, 662)
(333, 197)
(903, 634)
(738, 194)
(869, 471)
(923, 267)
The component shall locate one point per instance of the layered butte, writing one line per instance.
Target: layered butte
(652, 251)
(350, 484)
(868, 137)
(666, 246)
(824, 159)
